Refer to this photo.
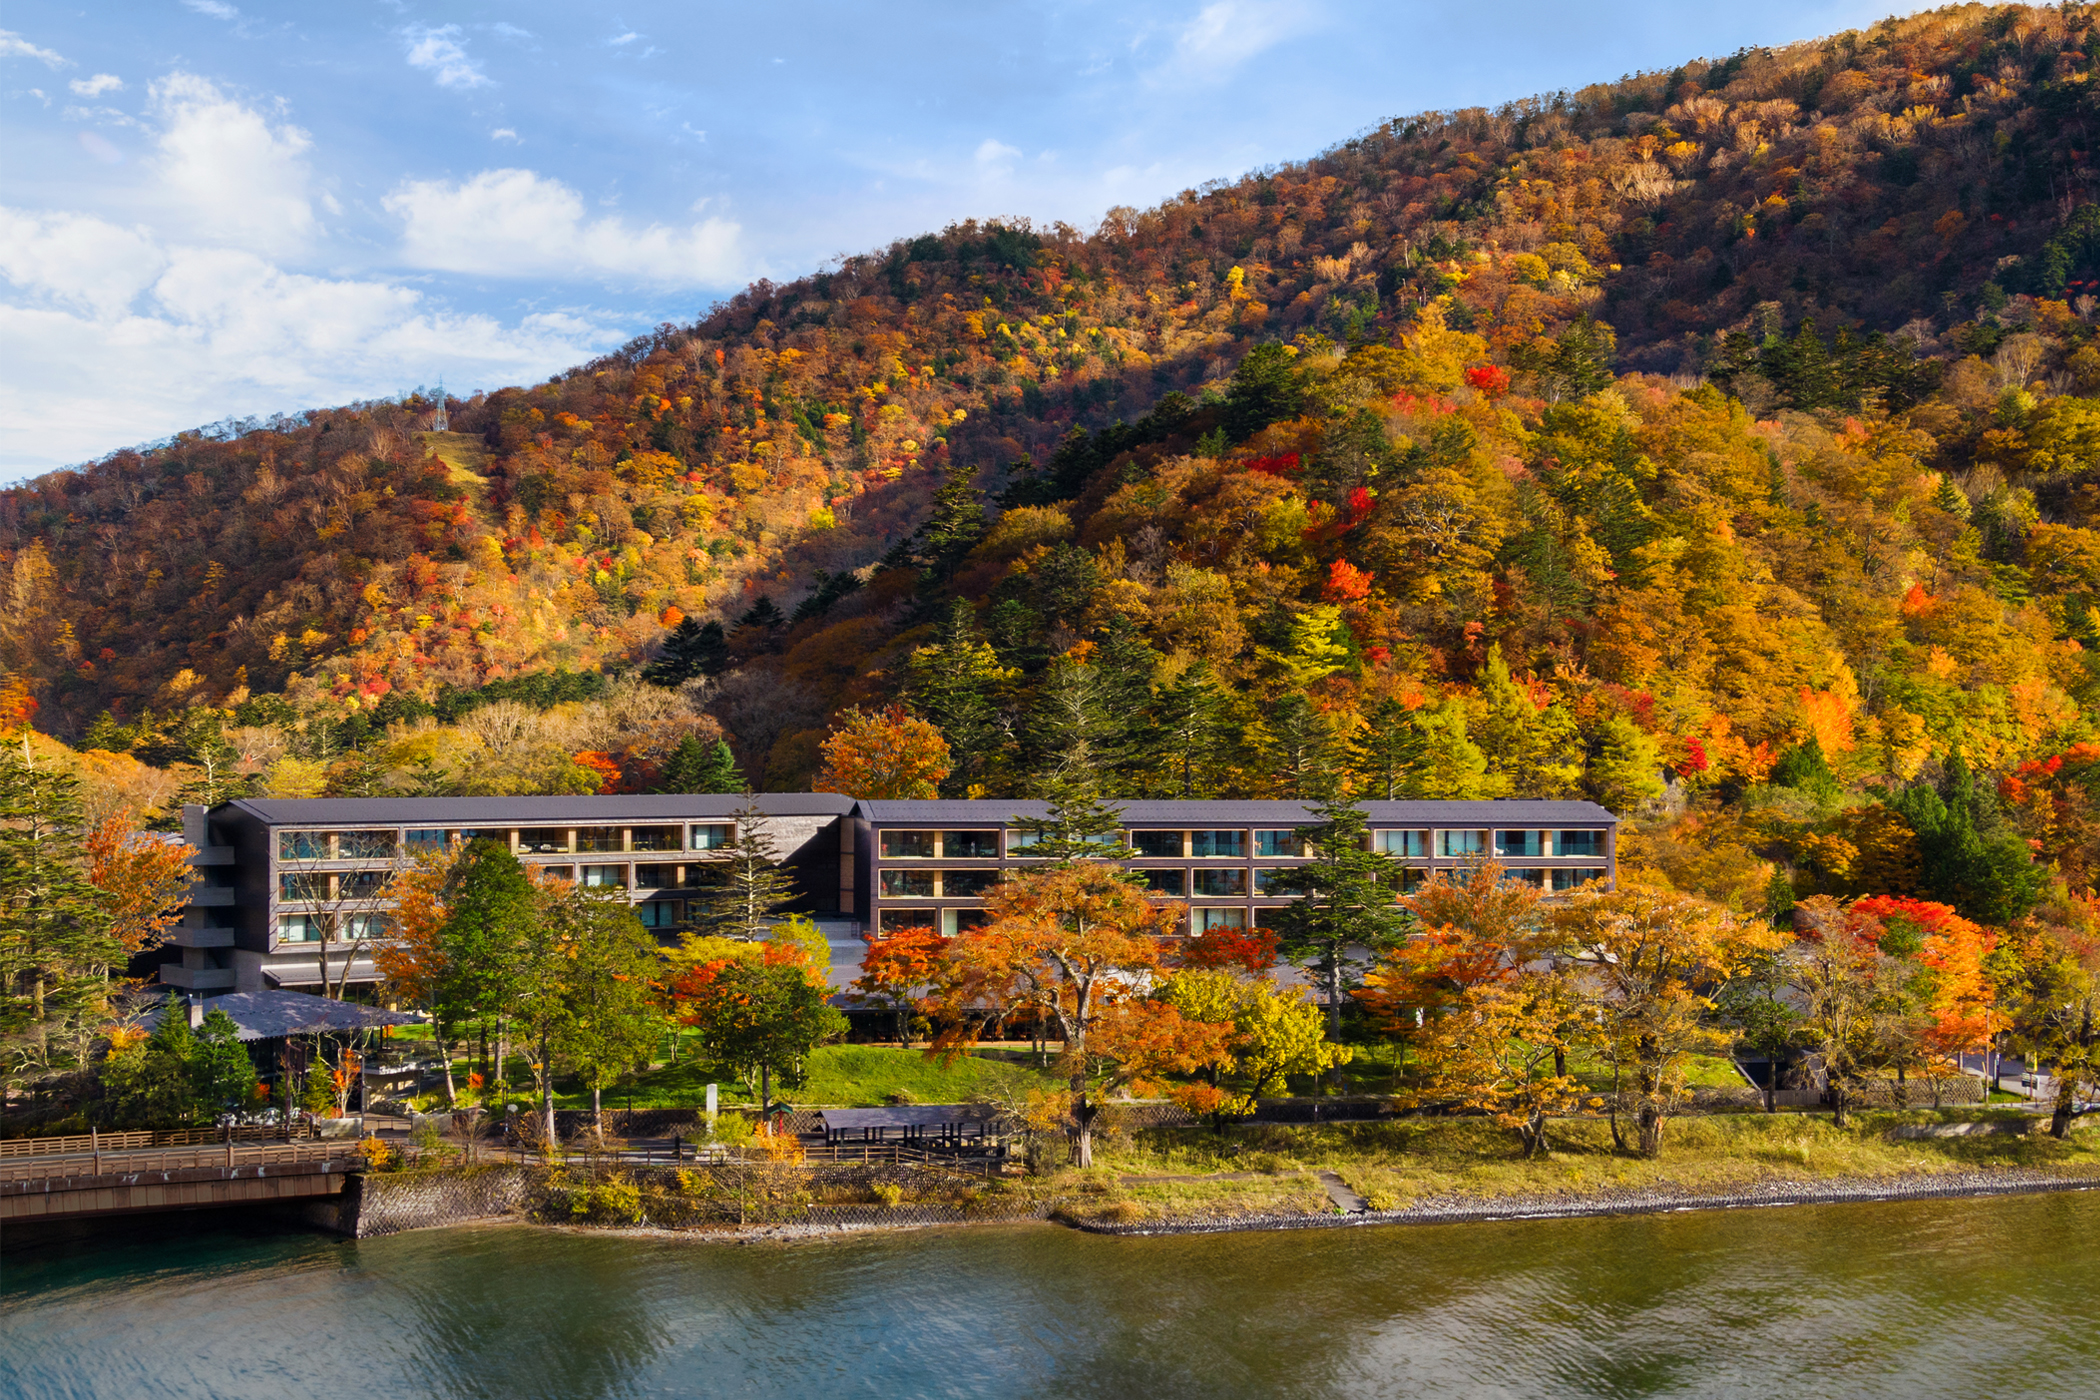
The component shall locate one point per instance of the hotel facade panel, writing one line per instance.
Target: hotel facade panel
(287, 892)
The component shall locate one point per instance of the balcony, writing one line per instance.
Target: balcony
(201, 936)
(197, 979)
(213, 855)
(211, 896)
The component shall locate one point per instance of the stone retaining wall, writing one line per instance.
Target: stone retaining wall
(387, 1203)
(1937, 1186)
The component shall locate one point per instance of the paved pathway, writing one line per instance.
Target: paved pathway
(1344, 1199)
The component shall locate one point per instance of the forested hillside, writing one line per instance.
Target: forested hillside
(1726, 433)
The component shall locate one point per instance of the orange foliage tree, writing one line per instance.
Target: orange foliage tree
(146, 878)
(1253, 951)
(1476, 929)
(901, 969)
(884, 754)
(1082, 945)
(1952, 1000)
(413, 961)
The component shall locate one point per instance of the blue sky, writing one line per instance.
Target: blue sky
(213, 209)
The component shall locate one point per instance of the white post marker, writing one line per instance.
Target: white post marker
(711, 1101)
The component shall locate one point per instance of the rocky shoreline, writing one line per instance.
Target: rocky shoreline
(1455, 1210)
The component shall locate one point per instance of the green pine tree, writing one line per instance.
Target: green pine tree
(746, 887)
(693, 649)
(1627, 770)
(1077, 740)
(697, 767)
(56, 948)
(956, 683)
(1345, 901)
(1387, 752)
(222, 1077)
(1292, 747)
(1186, 734)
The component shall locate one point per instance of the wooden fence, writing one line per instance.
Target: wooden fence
(300, 1131)
(165, 1159)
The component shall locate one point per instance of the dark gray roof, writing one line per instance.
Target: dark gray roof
(924, 1115)
(266, 1015)
(1228, 812)
(532, 811)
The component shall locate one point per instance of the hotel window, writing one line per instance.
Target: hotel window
(501, 836)
(713, 836)
(365, 845)
(425, 841)
(363, 884)
(1173, 882)
(908, 845)
(1271, 844)
(1207, 919)
(1574, 879)
(1264, 879)
(598, 839)
(897, 920)
(1534, 877)
(1157, 845)
(1021, 843)
(543, 841)
(907, 884)
(1220, 884)
(954, 921)
(1464, 843)
(655, 838)
(1408, 845)
(1522, 843)
(366, 926)
(1580, 843)
(298, 928)
(303, 845)
(558, 872)
(305, 884)
(659, 913)
(970, 845)
(1412, 880)
(605, 876)
(1229, 844)
(655, 877)
(967, 884)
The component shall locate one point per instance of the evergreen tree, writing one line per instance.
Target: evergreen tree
(758, 630)
(955, 683)
(692, 649)
(1345, 900)
(153, 1083)
(1292, 748)
(490, 919)
(222, 1077)
(1077, 740)
(1970, 856)
(1388, 752)
(56, 943)
(1627, 770)
(700, 768)
(1421, 754)
(1186, 733)
(747, 886)
(1264, 390)
(1080, 825)
(1533, 752)
(201, 738)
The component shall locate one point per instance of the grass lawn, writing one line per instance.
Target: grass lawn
(1269, 1167)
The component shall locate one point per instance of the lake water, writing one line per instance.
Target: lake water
(1988, 1298)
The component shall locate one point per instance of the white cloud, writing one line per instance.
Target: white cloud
(230, 176)
(100, 147)
(13, 45)
(504, 133)
(1226, 33)
(516, 223)
(996, 158)
(215, 9)
(89, 304)
(629, 37)
(97, 85)
(439, 52)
